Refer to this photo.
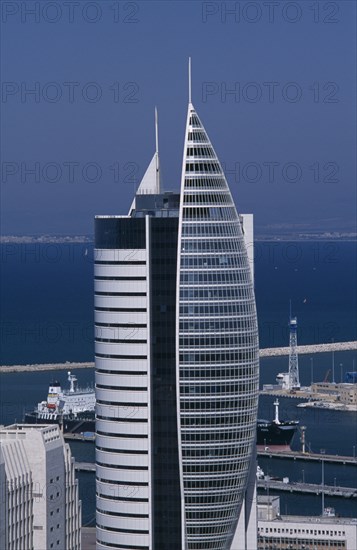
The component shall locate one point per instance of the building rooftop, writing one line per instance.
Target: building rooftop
(270, 502)
(324, 520)
(162, 205)
(48, 432)
(319, 519)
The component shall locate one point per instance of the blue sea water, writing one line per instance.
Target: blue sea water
(46, 303)
(46, 296)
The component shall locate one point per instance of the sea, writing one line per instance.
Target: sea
(46, 297)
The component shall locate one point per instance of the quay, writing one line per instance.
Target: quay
(266, 352)
(296, 394)
(319, 457)
(79, 437)
(84, 466)
(330, 490)
(327, 405)
(268, 453)
(332, 400)
(271, 485)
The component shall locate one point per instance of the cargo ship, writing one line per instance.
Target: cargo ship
(275, 434)
(72, 409)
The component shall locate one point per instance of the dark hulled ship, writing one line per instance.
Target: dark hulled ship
(275, 434)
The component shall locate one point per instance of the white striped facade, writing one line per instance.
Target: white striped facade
(122, 361)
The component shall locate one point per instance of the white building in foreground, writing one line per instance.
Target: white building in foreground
(40, 508)
(302, 532)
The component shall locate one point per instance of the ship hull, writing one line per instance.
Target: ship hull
(275, 436)
(84, 422)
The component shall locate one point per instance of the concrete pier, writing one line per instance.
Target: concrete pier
(296, 455)
(84, 466)
(272, 485)
(329, 490)
(79, 437)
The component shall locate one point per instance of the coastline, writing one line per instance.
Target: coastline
(89, 239)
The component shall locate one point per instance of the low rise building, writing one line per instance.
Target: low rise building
(302, 532)
(345, 393)
(325, 388)
(348, 394)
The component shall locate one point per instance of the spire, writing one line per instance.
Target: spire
(200, 159)
(156, 132)
(189, 80)
(150, 184)
(158, 183)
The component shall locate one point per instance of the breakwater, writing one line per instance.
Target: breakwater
(265, 352)
(314, 348)
(46, 366)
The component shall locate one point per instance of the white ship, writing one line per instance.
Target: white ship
(74, 408)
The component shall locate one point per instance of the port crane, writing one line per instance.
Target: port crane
(327, 375)
(294, 383)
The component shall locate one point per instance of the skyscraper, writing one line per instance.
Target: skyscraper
(176, 362)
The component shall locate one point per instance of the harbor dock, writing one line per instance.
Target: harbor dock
(269, 453)
(319, 457)
(328, 490)
(79, 437)
(271, 485)
(84, 466)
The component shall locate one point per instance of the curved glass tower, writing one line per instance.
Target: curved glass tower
(176, 363)
(217, 349)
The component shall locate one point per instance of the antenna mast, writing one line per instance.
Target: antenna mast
(189, 79)
(158, 185)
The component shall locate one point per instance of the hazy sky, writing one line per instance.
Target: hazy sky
(273, 82)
